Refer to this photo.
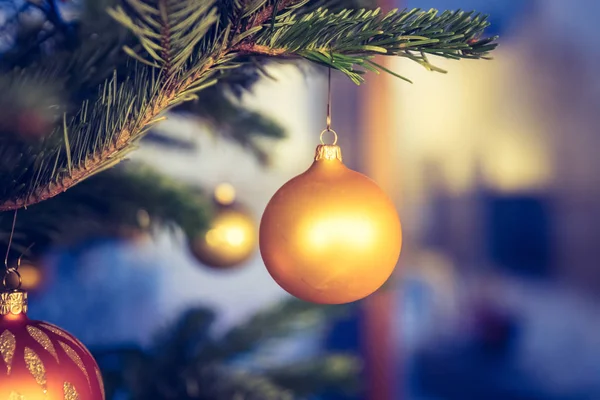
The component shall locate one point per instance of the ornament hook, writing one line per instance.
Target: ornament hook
(335, 136)
(10, 238)
(7, 274)
(328, 120)
(13, 270)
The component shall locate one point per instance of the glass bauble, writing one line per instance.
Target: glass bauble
(330, 235)
(232, 236)
(40, 361)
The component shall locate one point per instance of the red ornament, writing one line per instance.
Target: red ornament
(41, 361)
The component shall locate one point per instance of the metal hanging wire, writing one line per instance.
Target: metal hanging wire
(11, 270)
(328, 118)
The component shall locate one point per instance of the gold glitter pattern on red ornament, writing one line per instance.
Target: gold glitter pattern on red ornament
(76, 359)
(43, 340)
(56, 331)
(64, 335)
(35, 367)
(8, 344)
(69, 392)
(15, 396)
(82, 347)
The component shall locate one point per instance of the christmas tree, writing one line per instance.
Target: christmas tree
(84, 82)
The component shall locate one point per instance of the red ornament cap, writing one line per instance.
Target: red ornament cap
(41, 361)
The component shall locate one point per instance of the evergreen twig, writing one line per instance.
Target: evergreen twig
(120, 202)
(187, 46)
(188, 361)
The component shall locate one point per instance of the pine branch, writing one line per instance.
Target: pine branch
(226, 116)
(173, 370)
(117, 202)
(339, 372)
(220, 383)
(101, 134)
(348, 40)
(282, 319)
(168, 30)
(183, 364)
(186, 46)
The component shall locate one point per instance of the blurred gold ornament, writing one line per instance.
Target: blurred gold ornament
(232, 236)
(330, 235)
(32, 277)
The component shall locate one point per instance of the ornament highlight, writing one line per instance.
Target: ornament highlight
(41, 361)
(231, 238)
(330, 235)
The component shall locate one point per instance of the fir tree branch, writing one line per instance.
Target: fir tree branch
(349, 39)
(116, 203)
(339, 372)
(284, 318)
(103, 134)
(183, 363)
(225, 115)
(186, 47)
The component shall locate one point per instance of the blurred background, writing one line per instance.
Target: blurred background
(493, 167)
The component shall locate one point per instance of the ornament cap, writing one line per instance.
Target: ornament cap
(13, 302)
(328, 152)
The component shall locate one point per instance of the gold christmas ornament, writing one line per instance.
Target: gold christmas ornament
(330, 235)
(232, 236)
